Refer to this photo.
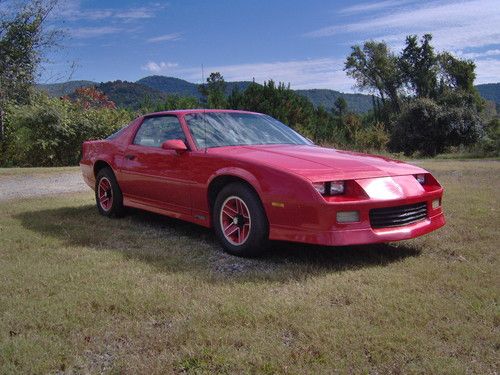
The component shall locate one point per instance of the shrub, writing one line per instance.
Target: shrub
(50, 131)
(489, 144)
(374, 138)
(430, 128)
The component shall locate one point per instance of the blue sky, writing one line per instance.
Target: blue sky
(301, 42)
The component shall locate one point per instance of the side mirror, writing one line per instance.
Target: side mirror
(174, 144)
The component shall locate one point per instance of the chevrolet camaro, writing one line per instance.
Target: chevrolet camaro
(254, 179)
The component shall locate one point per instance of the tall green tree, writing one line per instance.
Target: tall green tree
(375, 69)
(434, 104)
(457, 73)
(340, 106)
(281, 102)
(214, 91)
(23, 40)
(419, 66)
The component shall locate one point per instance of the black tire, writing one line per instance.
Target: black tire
(257, 232)
(113, 193)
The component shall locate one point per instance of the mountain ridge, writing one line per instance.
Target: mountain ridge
(132, 94)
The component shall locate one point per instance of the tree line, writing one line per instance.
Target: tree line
(424, 102)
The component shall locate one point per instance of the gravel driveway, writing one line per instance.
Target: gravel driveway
(24, 186)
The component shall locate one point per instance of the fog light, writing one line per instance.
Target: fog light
(436, 203)
(347, 216)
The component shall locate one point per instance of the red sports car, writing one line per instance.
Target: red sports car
(253, 179)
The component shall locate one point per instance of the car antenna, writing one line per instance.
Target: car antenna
(204, 110)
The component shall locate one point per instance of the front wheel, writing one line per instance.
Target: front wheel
(240, 221)
(108, 195)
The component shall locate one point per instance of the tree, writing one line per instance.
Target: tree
(433, 102)
(419, 66)
(340, 106)
(90, 97)
(214, 91)
(235, 98)
(375, 68)
(281, 102)
(23, 39)
(457, 73)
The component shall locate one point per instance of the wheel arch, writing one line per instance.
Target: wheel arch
(220, 180)
(101, 164)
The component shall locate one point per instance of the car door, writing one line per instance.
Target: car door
(153, 176)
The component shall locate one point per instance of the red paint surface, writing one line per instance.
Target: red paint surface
(176, 184)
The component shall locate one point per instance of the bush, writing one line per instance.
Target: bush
(430, 128)
(374, 138)
(489, 144)
(50, 131)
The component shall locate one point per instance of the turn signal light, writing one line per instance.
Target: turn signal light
(436, 203)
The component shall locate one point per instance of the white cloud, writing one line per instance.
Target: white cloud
(91, 32)
(301, 74)
(137, 13)
(165, 38)
(373, 6)
(71, 10)
(159, 67)
(488, 71)
(92, 15)
(428, 17)
(319, 73)
(476, 55)
(455, 25)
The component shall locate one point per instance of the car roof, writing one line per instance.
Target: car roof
(199, 110)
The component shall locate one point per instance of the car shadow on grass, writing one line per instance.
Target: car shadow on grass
(176, 246)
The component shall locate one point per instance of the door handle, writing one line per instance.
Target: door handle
(130, 157)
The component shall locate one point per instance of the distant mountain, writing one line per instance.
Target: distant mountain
(172, 85)
(359, 103)
(240, 85)
(65, 88)
(132, 94)
(129, 94)
(490, 91)
(356, 102)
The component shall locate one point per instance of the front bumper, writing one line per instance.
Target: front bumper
(345, 237)
(317, 224)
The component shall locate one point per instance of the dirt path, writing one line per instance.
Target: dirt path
(34, 185)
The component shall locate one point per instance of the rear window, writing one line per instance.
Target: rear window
(117, 133)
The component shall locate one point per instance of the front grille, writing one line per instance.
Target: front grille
(398, 216)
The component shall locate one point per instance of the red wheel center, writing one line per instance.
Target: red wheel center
(235, 220)
(105, 194)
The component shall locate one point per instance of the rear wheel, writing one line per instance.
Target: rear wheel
(240, 221)
(108, 196)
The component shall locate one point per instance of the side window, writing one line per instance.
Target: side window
(156, 130)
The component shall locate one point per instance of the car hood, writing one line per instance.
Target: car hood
(319, 163)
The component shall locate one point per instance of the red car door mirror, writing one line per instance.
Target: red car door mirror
(174, 144)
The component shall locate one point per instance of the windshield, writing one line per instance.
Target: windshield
(218, 129)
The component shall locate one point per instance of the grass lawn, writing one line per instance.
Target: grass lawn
(6, 172)
(80, 293)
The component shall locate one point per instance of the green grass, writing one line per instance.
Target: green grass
(80, 293)
(6, 172)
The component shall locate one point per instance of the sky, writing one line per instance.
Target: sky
(303, 43)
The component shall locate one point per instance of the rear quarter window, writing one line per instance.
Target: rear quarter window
(117, 133)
